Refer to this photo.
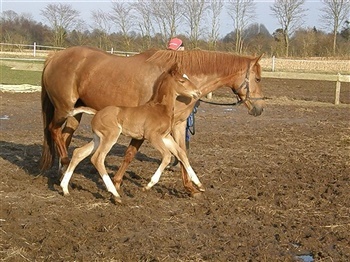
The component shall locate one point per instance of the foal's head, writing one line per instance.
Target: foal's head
(180, 83)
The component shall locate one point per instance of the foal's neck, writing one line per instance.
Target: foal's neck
(165, 95)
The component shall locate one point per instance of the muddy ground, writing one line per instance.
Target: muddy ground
(277, 187)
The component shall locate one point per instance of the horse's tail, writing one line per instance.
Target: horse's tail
(47, 110)
(82, 109)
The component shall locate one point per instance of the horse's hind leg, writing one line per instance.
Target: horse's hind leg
(78, 155)
(55, 128)
(71, 125)
(98, 160)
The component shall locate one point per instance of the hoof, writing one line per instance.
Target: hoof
(145, 189)
(197, 195)
(66, 193)
(117, 200)
(201, 188)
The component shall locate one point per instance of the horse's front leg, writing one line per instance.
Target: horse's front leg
(128, 157)
(178, 133)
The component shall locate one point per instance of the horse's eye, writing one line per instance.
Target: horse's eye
(258, 80)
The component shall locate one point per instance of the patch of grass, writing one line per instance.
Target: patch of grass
(18, 77)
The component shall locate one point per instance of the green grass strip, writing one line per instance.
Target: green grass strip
(18, 77)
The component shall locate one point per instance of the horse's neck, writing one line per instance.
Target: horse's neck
(212, 84)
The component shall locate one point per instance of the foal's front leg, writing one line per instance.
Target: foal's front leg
(159, 144)
(178, 133)
(181, 155)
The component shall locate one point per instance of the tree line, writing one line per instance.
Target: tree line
(139, 25)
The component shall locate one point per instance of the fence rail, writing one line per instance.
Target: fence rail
(272, 67)
(35, 50)
(307, 76)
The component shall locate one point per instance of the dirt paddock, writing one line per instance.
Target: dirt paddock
(277, 187)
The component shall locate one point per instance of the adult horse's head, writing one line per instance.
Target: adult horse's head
(246, 85)
(211, 70)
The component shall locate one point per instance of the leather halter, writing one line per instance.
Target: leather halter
(245, 85)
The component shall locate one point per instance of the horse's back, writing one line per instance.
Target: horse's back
(98, 79)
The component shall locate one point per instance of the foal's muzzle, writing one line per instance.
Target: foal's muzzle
(197, 94)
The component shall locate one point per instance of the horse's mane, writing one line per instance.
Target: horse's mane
(201, 62)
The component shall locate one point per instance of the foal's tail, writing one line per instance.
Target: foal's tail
(47, 110)
(82, 109)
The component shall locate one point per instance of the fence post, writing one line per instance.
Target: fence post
(34, 49)
(112, 50)
(337, 91)
(273, 64)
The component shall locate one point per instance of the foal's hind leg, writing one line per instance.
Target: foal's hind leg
(78, 155)
(98, 159)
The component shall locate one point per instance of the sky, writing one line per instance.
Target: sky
(263, 11)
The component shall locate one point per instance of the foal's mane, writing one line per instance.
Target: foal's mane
(157, 84)
(198, 62)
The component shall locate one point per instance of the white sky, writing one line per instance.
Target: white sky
(85, 7)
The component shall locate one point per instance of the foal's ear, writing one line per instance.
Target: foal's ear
(174, 69)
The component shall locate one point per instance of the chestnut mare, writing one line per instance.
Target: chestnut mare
(80, 76)
(152, 121)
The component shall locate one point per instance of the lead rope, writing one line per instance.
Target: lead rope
(190, 125)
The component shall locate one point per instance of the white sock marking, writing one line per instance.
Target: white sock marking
(109, 184)
(65, 182)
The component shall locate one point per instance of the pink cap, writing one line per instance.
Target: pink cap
(174, 43)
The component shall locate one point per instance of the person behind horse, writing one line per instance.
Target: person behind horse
(176, 44)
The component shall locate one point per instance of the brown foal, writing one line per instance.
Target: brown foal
(152, 121)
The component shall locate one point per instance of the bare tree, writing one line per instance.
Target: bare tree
(144, 12)
(334, 13)
(79, 35)
(290, 15)
(167, 15)
(193, 13)
(124, 18)
(102, 22)
(61, 17)
(215, 9)
(242, 13)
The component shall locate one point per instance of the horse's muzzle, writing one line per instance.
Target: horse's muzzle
(255, 108)
(256, 111)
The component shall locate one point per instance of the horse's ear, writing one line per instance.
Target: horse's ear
(256, 60)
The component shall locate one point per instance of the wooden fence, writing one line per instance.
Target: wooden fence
(272, 67)
(307, 76)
